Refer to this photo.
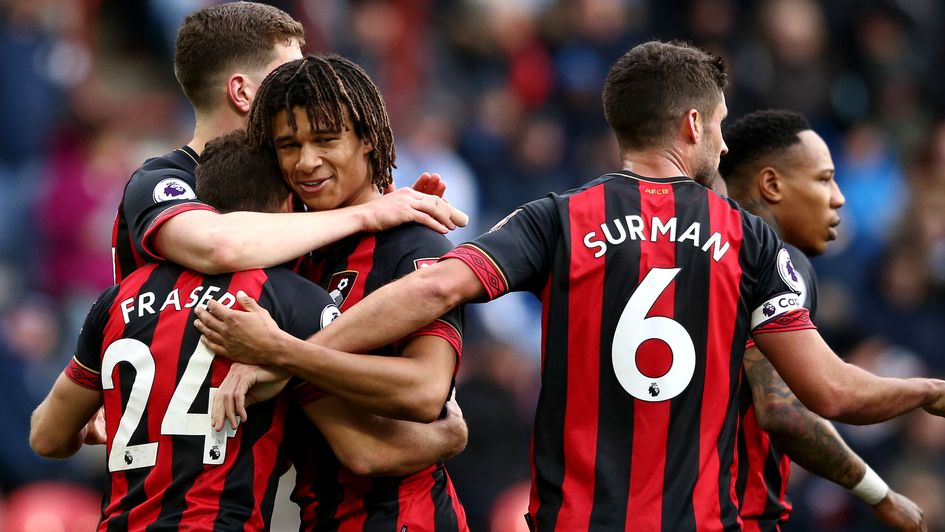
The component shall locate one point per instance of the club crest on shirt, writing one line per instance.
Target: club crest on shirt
(172, 189)
(786, 270)
(423, 263)
(340, 285)
(329, 314)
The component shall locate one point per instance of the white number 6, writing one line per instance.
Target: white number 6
(634, 328)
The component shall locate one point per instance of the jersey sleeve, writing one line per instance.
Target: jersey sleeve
(85, 368)
(776, 303)
(418, 248)
(807, 284)
(300, 308)
(153, 197)
(517, 252)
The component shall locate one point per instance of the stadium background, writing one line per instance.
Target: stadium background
(502, 98)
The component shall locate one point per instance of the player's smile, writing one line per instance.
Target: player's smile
(326, 168)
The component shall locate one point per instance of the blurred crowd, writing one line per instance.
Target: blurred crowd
(502, 97)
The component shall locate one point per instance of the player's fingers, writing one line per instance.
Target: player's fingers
(207, 321)
(217, 413)
(248, 303)
(215, 348)
(241, 401)
(439, 210)
(423, 218)
(458, 217)
(422, 184)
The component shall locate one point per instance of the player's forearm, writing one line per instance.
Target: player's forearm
(395, 387)
(50, 441)
(399, 308)
(215, 243)
(399, 447)
(872, 399)
(808, 439)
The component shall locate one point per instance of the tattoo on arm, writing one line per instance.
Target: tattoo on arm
(805, 437)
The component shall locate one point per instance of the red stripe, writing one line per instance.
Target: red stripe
(162, 218)
(414, 502)
(165, 346)
(651, 420)
(115, 330)
(361, 260)
(795, 320)
(785, 466)
(203, 499)
(756, 491)
(350, 513)
(586, 209)
(724, 293)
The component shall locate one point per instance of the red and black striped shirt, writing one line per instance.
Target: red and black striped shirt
(763, 471)
(649, 289)
(157, 191)
(168, 468)
(330, 496)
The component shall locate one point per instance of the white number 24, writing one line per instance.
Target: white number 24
(634, 328)
(177, 420)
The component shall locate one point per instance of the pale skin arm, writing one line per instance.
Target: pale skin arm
(813, 442)
(64, 420)
(836, 390)
(216, 243)
(392, 386)
(371, 445)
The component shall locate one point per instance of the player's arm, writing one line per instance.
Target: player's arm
(59, 424)
(837, 390)
(212, 243)
(391, 386)
(814, 444)
(373, 445)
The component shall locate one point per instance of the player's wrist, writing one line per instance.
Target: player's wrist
(871, 488)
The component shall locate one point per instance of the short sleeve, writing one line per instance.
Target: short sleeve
(153, 197)
(86, 365)
(776, 305)
(419, 247)
(516, 254)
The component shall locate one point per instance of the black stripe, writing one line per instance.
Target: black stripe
(548, 432)
(142, 330)
(615, 404)
(444, 516)
(187, 456)
(691, 310)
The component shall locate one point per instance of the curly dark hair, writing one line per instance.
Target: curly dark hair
(233, 176)
(654, 84)
(754, 136)
(329, 88)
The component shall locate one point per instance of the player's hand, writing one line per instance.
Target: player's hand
(430, 184)
(899, 513)
(407, 205)
(456, 432)
(95, 429)
(249, 336)
(244, 385)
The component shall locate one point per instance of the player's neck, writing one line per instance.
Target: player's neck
(211, 125)
(654, 163)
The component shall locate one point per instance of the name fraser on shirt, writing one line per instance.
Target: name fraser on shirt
(144, 303)
(634, 227)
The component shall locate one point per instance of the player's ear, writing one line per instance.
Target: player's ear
(288, 202)
(692, 126)
(239, 92)
(769, 184)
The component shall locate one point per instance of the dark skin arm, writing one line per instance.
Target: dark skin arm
(813, 442)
